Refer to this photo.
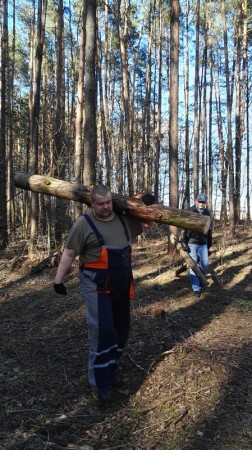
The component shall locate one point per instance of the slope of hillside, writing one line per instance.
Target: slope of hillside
(186, 373)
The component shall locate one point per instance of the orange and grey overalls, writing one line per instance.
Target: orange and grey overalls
(107, 286)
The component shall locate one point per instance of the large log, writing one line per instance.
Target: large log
(80, 193)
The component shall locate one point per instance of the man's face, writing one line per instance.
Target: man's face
(102, 206)
(200, 205)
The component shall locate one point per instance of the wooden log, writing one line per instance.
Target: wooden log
(80, 193)
(181, 269)
(189, 261)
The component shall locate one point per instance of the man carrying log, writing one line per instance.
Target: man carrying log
(102, 239)
(197, 244)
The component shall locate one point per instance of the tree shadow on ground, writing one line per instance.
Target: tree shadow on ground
(213, 264)
(228, 424)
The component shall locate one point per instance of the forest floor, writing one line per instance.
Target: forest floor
(186, 371)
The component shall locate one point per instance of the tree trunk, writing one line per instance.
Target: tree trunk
(244, 70)
(104, 141)
(196, 105)
(60, 151)
(159, 108)
(210, 118)
(147, 105)
(222, 156)
(90, 127)
(229, 126)
(38, 43)
(157, 213)
(10, 131)
(3, 175)
(173, 123)
(203, 112)
(186, 197)
(248, 149)
(238, 121)
(78, 161)
(240, 100)
(123, 36)
(106, 77)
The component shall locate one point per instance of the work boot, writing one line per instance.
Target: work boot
(197, 294)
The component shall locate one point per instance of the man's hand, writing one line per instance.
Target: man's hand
(148, 199)
(60, 288)
(185, 247)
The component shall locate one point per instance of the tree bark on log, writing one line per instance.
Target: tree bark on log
(189, 261)
(80, 193)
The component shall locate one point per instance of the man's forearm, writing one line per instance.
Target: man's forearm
(64, 265)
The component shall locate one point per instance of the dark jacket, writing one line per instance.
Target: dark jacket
(195, 237)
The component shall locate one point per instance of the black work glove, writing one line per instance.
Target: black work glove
(60, 288)
(185, 247)
(148, 199)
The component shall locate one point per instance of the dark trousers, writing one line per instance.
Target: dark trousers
(107, 299)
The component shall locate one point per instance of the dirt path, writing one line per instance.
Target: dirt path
(187, 370)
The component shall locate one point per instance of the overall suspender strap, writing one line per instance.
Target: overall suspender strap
(96, 232)
(125, 228)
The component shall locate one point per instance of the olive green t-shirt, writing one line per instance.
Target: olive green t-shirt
(83, 240)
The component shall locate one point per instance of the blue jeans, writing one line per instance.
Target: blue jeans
(199, 253)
